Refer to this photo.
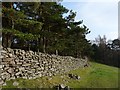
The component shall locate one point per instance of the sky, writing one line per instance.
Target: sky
(100, 16)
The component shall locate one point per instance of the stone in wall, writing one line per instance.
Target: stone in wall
(17, 63)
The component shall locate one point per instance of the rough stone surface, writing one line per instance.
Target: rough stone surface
(74, 76)
(15, 83)
(16, 63)
(62, 87)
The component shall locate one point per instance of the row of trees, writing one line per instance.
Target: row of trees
(41, 26)
(51, 28)
(106, 52)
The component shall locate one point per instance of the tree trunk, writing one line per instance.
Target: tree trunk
(12, 22)
(9, 41)
(4, 40)
(38, 45)
(7, 23)
(56, 51)
(44, 46)
(28, 45)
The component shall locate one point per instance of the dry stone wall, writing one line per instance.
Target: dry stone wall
(16, 63)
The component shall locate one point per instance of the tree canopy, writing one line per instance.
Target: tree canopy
(41, 26)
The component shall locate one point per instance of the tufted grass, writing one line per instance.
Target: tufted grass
(95, 76)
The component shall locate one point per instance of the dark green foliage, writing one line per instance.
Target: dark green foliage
(107, 53)
(16, 26)
(40, 26)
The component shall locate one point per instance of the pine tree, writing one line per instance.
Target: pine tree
(16, 25)
(41, 26)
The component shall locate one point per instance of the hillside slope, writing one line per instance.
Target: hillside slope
(94, 76)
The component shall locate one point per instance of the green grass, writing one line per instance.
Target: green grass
(95, 76)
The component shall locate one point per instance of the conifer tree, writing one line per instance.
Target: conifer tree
(15, 24)
(42, 26)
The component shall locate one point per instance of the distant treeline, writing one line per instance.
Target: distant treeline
(106, 52)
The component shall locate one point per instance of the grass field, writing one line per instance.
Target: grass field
(95, 76)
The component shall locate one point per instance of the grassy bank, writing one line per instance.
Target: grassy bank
(95, 76)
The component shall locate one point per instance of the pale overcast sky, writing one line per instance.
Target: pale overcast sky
(100, 16)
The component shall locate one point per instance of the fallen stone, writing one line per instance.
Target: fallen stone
(61, 86)
(74, 76)
(15, 83)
